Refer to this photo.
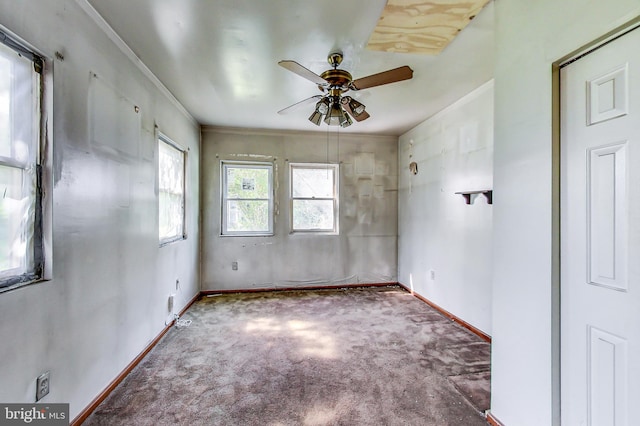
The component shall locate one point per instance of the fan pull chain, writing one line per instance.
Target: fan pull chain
(338, 150)
(327, 145)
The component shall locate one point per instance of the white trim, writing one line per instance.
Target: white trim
(598, 43)
(129, 53)
(168, 140)
(269, 166)
(161, 137)
(336, 198)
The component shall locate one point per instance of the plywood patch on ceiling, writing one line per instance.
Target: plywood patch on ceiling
(418, 26)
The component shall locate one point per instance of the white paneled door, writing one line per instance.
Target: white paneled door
(600, 236)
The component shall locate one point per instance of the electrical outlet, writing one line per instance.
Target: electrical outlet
(432, 274)
(234, 266)
(42, 386)
(177, 284)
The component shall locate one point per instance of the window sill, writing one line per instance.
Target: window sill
(17, 286)
(171, 241)
(247, 235)
(329, 233)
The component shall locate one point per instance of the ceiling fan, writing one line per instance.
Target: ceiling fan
(336, 108)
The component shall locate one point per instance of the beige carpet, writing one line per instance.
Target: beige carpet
(374, 356)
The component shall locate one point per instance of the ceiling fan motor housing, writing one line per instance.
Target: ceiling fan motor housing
(334, 83)
(337, 79)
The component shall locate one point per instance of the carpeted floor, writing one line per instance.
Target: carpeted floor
(375, 356)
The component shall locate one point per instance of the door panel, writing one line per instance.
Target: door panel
(607, 375)
(600, 235)
(607, 227)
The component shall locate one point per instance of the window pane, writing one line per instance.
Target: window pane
(313, 214)
(5, 107)
(244, 182)
(248, 216)
(16, 106)
(171, 169)
(170, 215)
(14, 218)
(309, 183)
(171, 191)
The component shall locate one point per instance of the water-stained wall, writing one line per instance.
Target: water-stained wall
(365, 251)
(444, 243)
(109, 281)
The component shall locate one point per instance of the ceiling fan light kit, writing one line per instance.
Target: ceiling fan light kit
(323, 106)
(316, 118)
(356, 108)
(336, 116)
(347, 122)
(336, 108)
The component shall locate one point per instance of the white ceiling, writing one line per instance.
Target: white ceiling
(220, 59)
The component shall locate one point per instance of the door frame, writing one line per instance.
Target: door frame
(556, 164)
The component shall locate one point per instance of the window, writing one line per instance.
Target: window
(314, 198)
(21, 254)
(171, 169)
(247, 198)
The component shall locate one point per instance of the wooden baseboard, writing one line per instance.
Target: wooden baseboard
(492, 420)
(449, 315)
(82, 416)
(324, 287)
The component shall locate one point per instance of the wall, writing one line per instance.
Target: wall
(438, 233)
(107, 296)
(364, 252)
(530, 36)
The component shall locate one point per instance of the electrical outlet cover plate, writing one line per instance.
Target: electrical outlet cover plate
(42, 386)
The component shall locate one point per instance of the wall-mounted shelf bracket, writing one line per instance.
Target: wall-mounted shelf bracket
(488, 193)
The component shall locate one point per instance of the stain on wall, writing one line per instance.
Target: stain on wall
(365, 251)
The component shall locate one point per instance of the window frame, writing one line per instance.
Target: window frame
(224, 165)
(35, 268)
(162, 138)
(335, 168)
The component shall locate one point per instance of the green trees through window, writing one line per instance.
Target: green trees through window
(247, 198)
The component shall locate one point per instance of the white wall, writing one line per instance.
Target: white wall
(530, 36)
(364, 252)
(437, 231)
(107, 298)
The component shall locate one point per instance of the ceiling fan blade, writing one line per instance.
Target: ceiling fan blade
(295, 67)
(302, 103)
(385, 77)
